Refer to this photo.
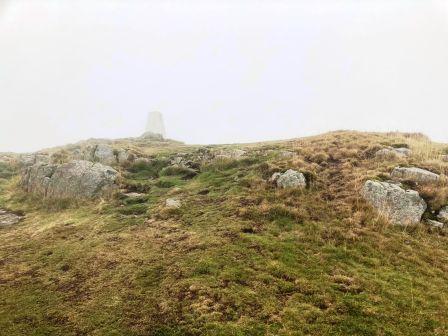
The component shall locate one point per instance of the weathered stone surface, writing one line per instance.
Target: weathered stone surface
(173, 203)
(401, 207)
(413, 174)
(393, 153)
(29, 159)
(77, 179)
(105, 155)
(230, 154)
(123, 156)
(134, 195)
(8, 218)
(289, 179)
(443, 214)
(435, 224)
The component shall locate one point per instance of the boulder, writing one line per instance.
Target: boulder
(8, 218)
(393, 153)
(413, 174)
(29, 159)
(401, 207)
(443, 214)
(77, 179)
(123, 156)
(289, 179)
(105, 155)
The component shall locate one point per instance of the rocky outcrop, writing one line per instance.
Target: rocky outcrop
(29, 159)
(289, 179)
(401, 207)
(393, 153)
(413, 174)
(230, 154)
(105, 155)
(102, 153)
(75, 180)
(8, 218)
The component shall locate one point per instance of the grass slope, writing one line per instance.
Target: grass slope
(240, 257)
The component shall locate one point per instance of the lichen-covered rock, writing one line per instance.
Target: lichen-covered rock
(105, 155)
(393, 153)
(289, 179)
(29, 159)
(413, 174)
(173, 203)
(443, 214)
(401, 207)
(8, 218)
(76, 179)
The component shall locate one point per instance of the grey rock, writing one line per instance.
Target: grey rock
(29, 159)
(105, 155)
(413, 174)
(230, 154)
(393, 153)
(435, 224)
(8, 218)
(74, 180)
(290, 179)
(173, 203)
(123, 156)
(443, 214)
(401, 207)
(134, 195)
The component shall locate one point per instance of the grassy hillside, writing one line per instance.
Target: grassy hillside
(240, 257)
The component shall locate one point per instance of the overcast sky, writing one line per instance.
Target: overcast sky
(220, 71)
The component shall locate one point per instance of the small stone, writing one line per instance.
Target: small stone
(173, 203)
(435, 224)
(134, 195)
(8, 218)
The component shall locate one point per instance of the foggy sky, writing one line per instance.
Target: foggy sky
(220, 71)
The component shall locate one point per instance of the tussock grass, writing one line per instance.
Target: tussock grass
(240, 257)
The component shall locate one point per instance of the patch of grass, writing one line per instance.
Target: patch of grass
(186, 173)
(147, 170)
(240, 257)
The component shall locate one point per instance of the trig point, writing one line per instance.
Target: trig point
(155, 125)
